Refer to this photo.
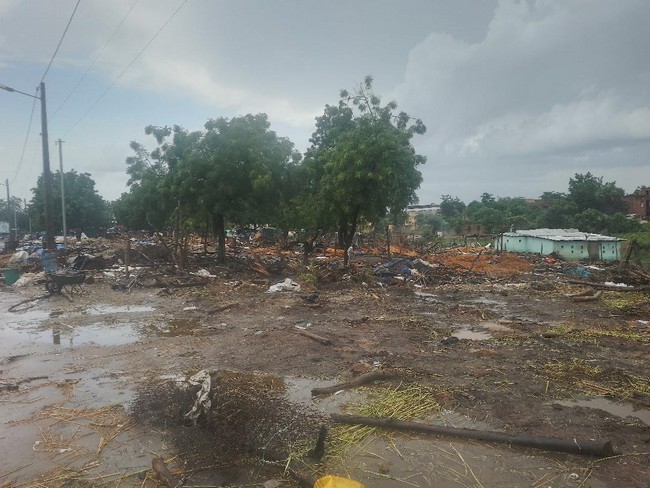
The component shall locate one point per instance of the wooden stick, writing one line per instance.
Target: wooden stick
(593, 298)
(475, 260)
(163, 473)
(575, 446)
(364, 379)
(315, 337)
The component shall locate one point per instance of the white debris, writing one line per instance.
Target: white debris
(287, 285)
(204, 273)
(203, 402)
(618, 285)
(19, 257)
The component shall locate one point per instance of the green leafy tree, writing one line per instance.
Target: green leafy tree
(85, 208)
(589, 192)
(430, 223)
(15, 211)
(361, 162)
(238, 172)
(451, 206)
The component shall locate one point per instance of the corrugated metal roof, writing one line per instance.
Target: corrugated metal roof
(561, 235)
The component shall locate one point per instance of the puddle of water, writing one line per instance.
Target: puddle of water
(66, 336)
(299, 391)
(494, 326)
(622, 410)
(107, 309)
(471, 335)
(28, 317)
(178, 327)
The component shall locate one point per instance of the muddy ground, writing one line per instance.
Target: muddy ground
(87, 383)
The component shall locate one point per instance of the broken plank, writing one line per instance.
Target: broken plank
(315, 337)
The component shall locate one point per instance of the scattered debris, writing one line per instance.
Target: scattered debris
(287, 285)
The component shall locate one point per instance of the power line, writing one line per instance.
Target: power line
(74, 88)
(127, 67)
(60, 41)
(29, 127)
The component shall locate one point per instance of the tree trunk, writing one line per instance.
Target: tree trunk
(346, 235)
(178, 226)
(307, 248)
(220, 234)
(388, 240)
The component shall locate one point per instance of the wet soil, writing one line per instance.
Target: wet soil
(75, 376)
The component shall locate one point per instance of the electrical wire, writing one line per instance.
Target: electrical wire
(180, 6)
(29, 128)
(60, 41)
(101, 51)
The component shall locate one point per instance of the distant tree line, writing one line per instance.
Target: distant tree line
(590, 205)
(360, 168)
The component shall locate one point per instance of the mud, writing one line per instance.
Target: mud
(84, 369)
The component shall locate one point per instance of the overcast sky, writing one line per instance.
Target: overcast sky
(517, 96)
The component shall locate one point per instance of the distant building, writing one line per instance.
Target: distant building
(412, 212)
(567, 243)
(639, 203)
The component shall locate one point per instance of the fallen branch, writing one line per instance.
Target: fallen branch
(163, 473)
(41, 297)
(583, 293)
(478, 256)
(364, 379)
(593, 298)
(315, 337)
(575, 446)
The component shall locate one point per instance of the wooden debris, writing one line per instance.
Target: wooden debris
(575, 446)
(163, 473)
(364, 379)
(593, 298)
(28, 300)
(315, 337)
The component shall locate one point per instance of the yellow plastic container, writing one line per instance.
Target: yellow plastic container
(336, 482)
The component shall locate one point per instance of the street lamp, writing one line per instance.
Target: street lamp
(47, 174)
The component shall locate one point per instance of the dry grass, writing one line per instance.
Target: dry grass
(625, 332)
(402, 403)
(579, 375)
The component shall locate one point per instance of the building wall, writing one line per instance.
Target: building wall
(605, 250)
(639, 203)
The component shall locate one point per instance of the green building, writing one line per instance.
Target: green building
(567, 243)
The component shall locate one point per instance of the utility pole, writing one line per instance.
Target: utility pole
(47, 176)
(65, 228)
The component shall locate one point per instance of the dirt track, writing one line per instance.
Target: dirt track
(502, 351)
